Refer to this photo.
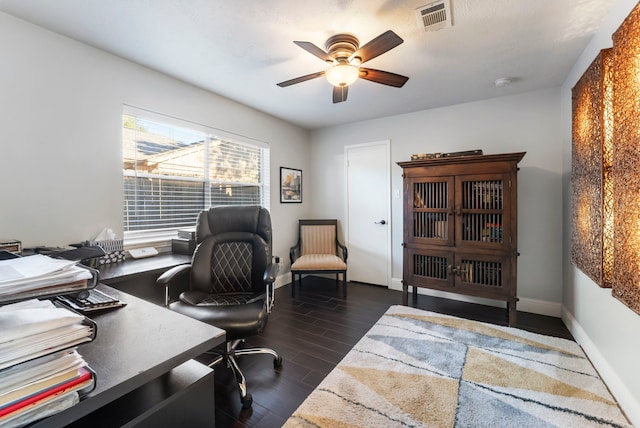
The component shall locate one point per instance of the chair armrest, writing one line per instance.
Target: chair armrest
(269, 278)
(294, 252)
(270, 273)
(174, 274)
(345, 252)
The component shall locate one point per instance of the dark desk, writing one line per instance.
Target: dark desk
(135, 268)
(138, 276)
(136, 346)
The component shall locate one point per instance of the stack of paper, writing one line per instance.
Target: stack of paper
(40, 370)
(29, 331)
(37, 275)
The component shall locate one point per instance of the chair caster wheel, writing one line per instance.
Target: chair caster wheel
(247, 401)
(277, 362)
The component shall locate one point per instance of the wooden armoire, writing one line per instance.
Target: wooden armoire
(460, 229)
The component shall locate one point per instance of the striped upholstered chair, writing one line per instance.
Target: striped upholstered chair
(318, 251)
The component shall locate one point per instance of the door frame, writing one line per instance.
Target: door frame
(387, 190)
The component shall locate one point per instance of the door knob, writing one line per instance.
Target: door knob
(381, 222)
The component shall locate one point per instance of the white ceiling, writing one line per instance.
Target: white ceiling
(241, 49)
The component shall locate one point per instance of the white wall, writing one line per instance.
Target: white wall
(529, 122)
(606, 329)
(61, 118)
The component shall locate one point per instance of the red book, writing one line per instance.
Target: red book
(84, 375)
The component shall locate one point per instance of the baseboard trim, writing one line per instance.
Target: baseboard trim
(535, 306)
(629, 404)
(282, 280)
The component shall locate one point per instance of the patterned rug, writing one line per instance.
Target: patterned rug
(421, 369)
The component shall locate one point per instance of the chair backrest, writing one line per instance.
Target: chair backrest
(233, 249)
(318, 236)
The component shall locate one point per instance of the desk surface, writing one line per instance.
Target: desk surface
(134, 345)
(130, 268)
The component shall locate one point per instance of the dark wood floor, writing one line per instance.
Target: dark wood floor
(314, 331)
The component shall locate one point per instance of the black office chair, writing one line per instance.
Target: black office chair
(229, 283)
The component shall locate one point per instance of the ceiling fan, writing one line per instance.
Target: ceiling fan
(346, 56)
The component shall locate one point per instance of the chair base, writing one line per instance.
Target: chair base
(229, 356)
(300, 273)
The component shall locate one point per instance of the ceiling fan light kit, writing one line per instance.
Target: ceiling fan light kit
(342, 74)
(346, 55)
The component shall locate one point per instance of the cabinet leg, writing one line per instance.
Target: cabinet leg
(415, 294)
(511, 309)
(405, 294)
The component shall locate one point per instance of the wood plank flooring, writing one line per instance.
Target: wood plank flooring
(314, 331)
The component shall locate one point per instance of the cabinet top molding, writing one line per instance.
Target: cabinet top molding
(464, 159)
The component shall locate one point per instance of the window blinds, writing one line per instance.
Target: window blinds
(171, 173)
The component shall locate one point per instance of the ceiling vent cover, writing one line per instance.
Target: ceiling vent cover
(435, 16)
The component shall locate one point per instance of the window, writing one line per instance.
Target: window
(174, 169)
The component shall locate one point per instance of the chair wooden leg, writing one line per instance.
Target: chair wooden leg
(293, 284)
(344, 284)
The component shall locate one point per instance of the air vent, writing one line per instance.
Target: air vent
(435, 16)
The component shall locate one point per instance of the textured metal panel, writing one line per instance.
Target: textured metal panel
(626, 164)
(591, 249)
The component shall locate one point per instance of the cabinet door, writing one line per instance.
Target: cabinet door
(483, 211)
(429, 203)
(428, 268)
(484, 275)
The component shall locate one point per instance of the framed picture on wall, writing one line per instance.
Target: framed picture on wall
(290, 185)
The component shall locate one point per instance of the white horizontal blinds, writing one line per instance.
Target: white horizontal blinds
(163, 169)
(171, 173)
(235, 173)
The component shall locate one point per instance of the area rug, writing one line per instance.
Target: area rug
(421, 369)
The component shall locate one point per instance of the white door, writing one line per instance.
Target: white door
(368, 232)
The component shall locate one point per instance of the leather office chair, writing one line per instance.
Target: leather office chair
(230, 280)
(318, 251)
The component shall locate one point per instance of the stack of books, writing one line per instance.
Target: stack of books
(41, 372)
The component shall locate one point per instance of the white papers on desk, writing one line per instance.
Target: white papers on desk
(31, 267)
(35, 272)
(38, 370)
(29, 333)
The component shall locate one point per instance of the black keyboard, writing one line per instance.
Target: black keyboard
(95, 301)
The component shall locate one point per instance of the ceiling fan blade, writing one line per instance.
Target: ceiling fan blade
(314, 50)
(381, 44)
(384, 77)
(300, 79)
(340, 94)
